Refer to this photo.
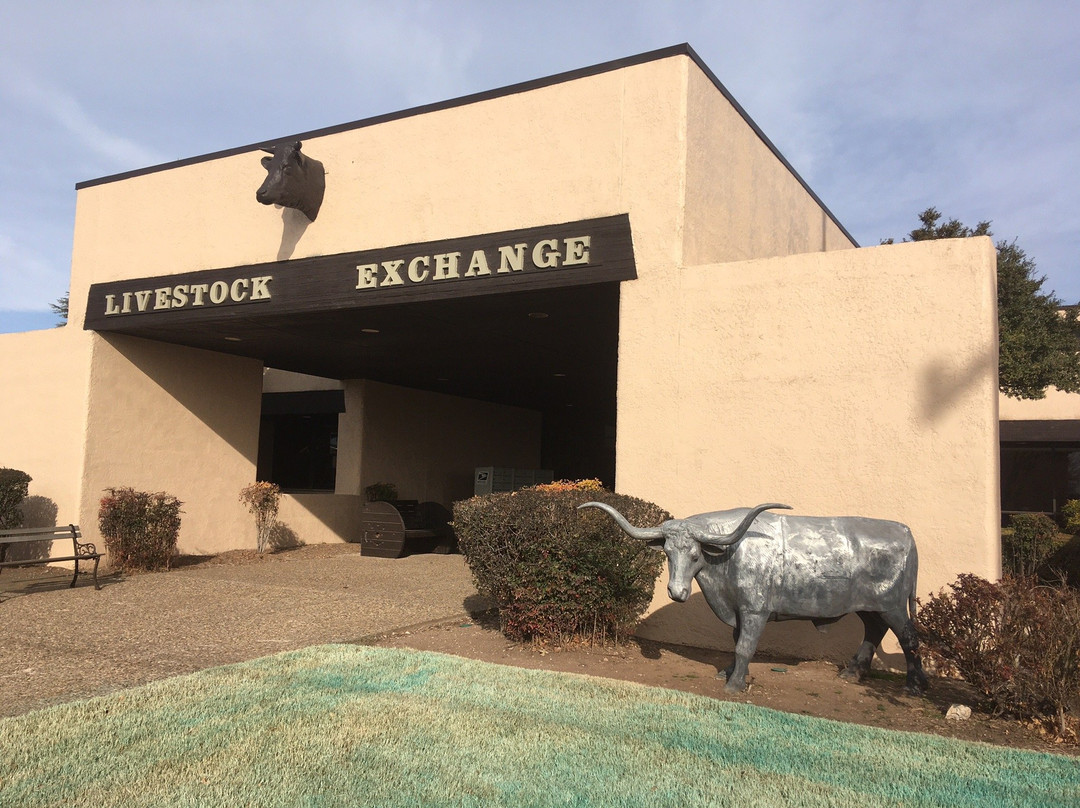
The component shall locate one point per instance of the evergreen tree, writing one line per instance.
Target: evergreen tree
(60, 309)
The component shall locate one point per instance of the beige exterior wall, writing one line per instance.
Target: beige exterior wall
(601, 145)
(320, 518)
(1056, 406)
(429, 444)
(44, 376)
(840, 383)
(179, 420)
(741, 201)
(644, 140)
(283, 381)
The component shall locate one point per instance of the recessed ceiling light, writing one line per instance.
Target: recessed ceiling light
(233, 339)
(369, 331)
(559, 375)
(538, 315)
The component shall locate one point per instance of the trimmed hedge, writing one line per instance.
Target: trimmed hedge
(140, 529)
(14, 486)
(555, 573)
(1016, 641)
(1029, 543)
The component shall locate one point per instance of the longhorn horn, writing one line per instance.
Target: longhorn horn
(643, 533)
(737, 533)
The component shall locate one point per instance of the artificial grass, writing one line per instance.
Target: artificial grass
(359, 726)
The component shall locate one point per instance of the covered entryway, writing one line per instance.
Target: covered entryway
(527, 320)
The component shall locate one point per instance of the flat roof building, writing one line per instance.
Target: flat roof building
(609, 273)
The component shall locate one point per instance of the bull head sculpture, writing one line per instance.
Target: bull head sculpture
(793, 568)
(293, 180)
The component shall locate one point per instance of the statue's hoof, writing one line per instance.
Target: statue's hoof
(852, 674)
(916, 688)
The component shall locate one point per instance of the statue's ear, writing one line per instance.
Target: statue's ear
(656, 544)
(266, 162)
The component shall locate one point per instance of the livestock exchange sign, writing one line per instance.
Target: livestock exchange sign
(575, 253)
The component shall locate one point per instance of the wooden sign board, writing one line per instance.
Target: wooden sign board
(569, 254)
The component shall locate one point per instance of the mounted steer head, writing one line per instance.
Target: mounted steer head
(293, 180)
(793, 568)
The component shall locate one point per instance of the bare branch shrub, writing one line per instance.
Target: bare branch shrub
(262, 499)
(1017, 642)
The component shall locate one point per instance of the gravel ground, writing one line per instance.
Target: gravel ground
(58, 644)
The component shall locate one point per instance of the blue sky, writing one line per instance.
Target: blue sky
(885, 108)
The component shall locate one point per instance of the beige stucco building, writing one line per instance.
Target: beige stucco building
(610, 273)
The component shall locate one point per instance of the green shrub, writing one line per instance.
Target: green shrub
(1031, 540)
(381, 492)
(140, 529)
(14, 486)
(1070, 516)
(1017, 642)
(557, 574)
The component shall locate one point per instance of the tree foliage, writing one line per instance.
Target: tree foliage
(1037, 345)
(60, 309)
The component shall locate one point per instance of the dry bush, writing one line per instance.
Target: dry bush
(557, 574)
(1016, 641)
(140, 529)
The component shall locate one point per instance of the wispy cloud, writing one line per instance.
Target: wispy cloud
(19, 87)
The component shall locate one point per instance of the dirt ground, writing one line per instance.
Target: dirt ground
(150, 626)
(805, 687)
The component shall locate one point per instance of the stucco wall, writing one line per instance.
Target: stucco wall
(1056, 406)
(283, 381)
(741, 201)
(429, 444)
(179, 420)
(320, 518)
(644, 140)
(601, 145)
(857, 382)
(43, 379)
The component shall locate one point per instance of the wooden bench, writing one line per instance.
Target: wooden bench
(391, 529)
(80, 551)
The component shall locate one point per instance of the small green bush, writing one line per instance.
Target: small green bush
(558, 574)
(1031, 540)
(14, 486)
(381, 492)
(1070, 516)
(140, 529)
(1017, 642)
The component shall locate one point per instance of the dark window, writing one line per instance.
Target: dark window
(299, 452)
(1039, 478)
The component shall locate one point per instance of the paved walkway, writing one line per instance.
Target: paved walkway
(58, 644)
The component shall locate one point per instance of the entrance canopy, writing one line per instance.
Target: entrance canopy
(526, 318)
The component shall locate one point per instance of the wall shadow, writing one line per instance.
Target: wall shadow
(39, 512)
(943, 384)
(178, 371)
(283, 537)
(789, 642)
(293, 225)
(36, 512)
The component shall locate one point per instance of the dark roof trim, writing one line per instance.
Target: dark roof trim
(1062, 431)
(512, 89)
